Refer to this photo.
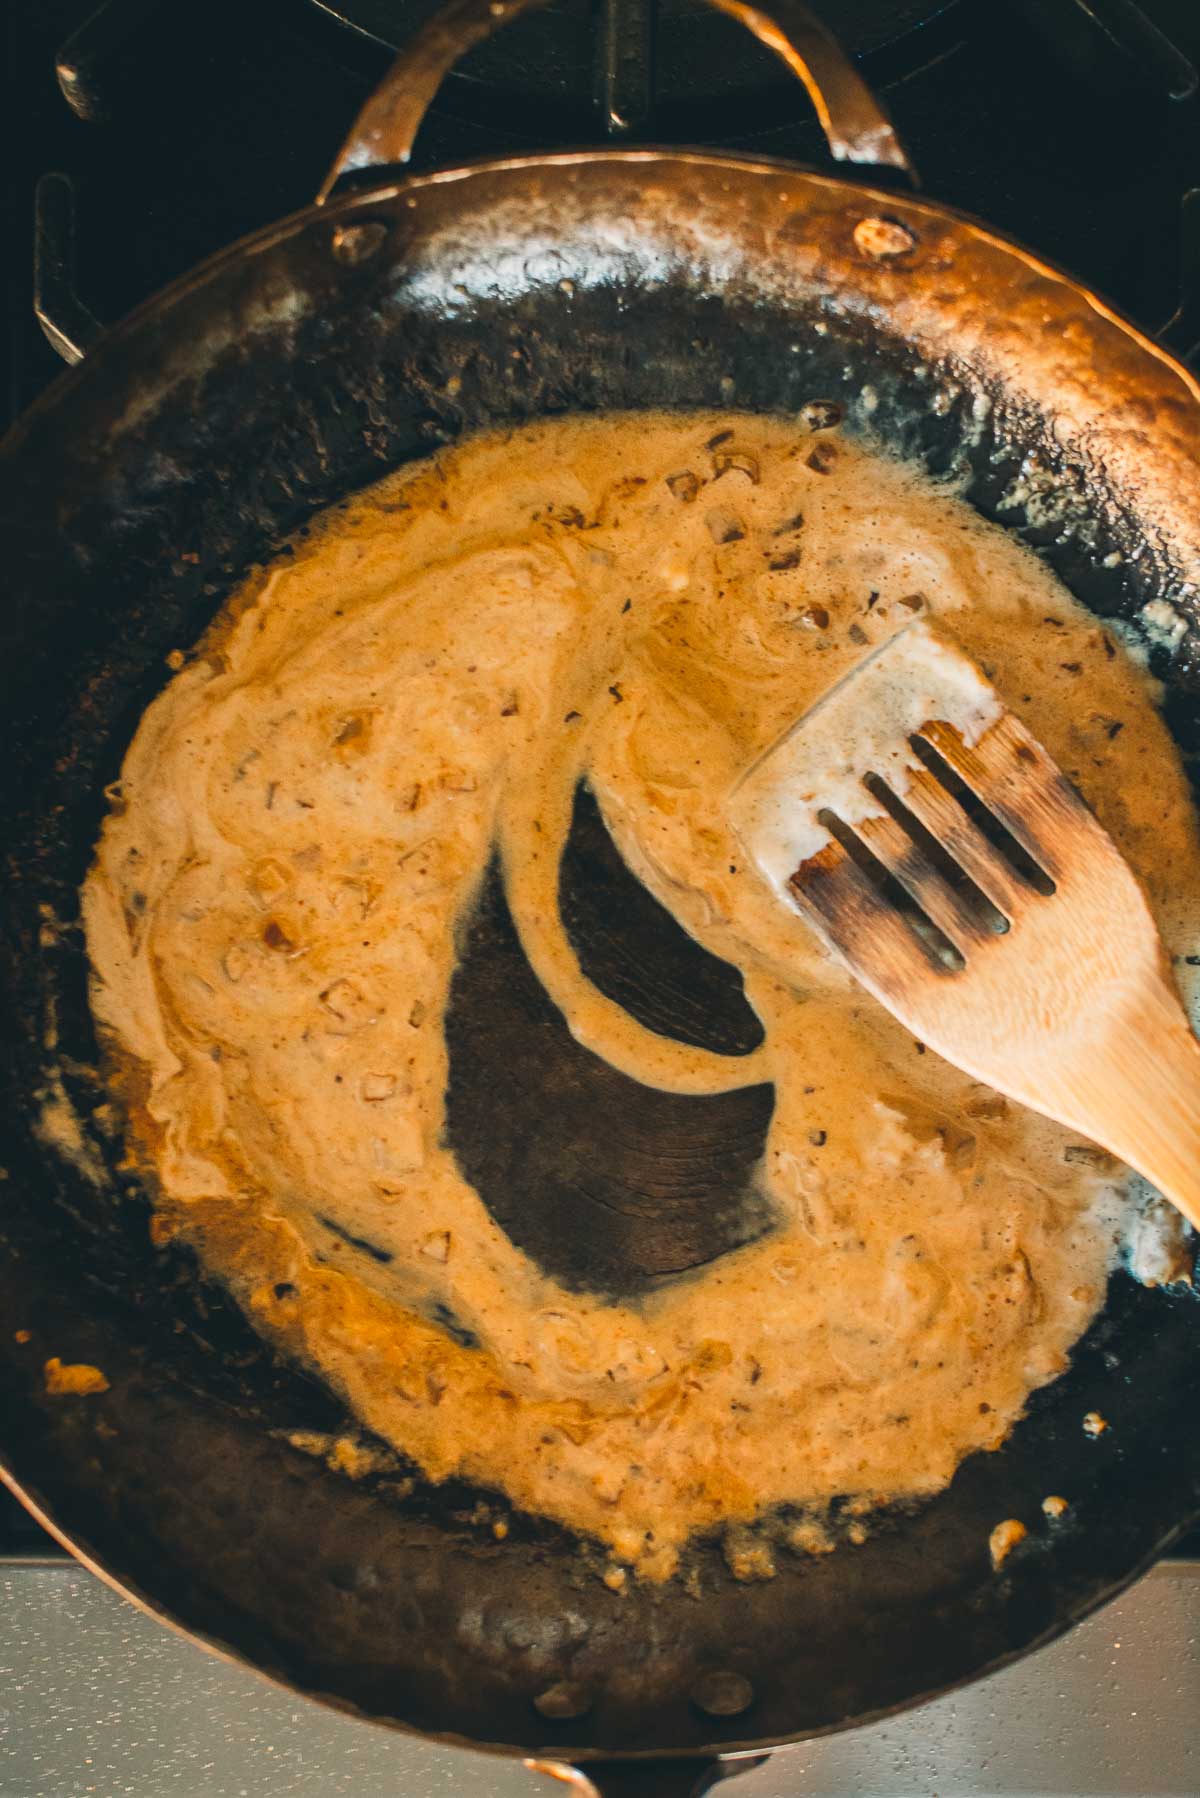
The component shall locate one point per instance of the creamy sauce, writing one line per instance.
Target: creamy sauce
(302, 825)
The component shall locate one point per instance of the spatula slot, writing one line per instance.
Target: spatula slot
(939, 947)
(972, 896)
(1017, 858)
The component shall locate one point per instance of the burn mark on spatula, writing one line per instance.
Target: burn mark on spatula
(1026, 868)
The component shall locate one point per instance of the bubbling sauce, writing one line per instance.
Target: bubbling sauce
(302, 827)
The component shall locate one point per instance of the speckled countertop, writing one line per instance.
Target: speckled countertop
(95, 1698)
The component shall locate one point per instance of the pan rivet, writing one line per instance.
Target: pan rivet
(563, 1701)
(881, 239)
(354, 244)
(722, 1694)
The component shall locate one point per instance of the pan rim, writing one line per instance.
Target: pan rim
(562, 1752)
(158, 305)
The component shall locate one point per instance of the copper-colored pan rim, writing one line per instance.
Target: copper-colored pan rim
(558, 1752)
(336, 211)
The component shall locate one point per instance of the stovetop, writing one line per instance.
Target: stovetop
(97, 1698)
(145, 136)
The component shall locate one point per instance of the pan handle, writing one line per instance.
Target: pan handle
(855, 124)
(679, 1777)
(67, 324)
(1181, 333)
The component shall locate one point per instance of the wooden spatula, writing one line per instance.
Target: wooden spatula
(941, 853)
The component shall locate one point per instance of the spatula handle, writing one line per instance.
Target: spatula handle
(1143, 1095)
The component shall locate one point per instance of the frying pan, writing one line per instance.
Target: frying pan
(282, 375)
